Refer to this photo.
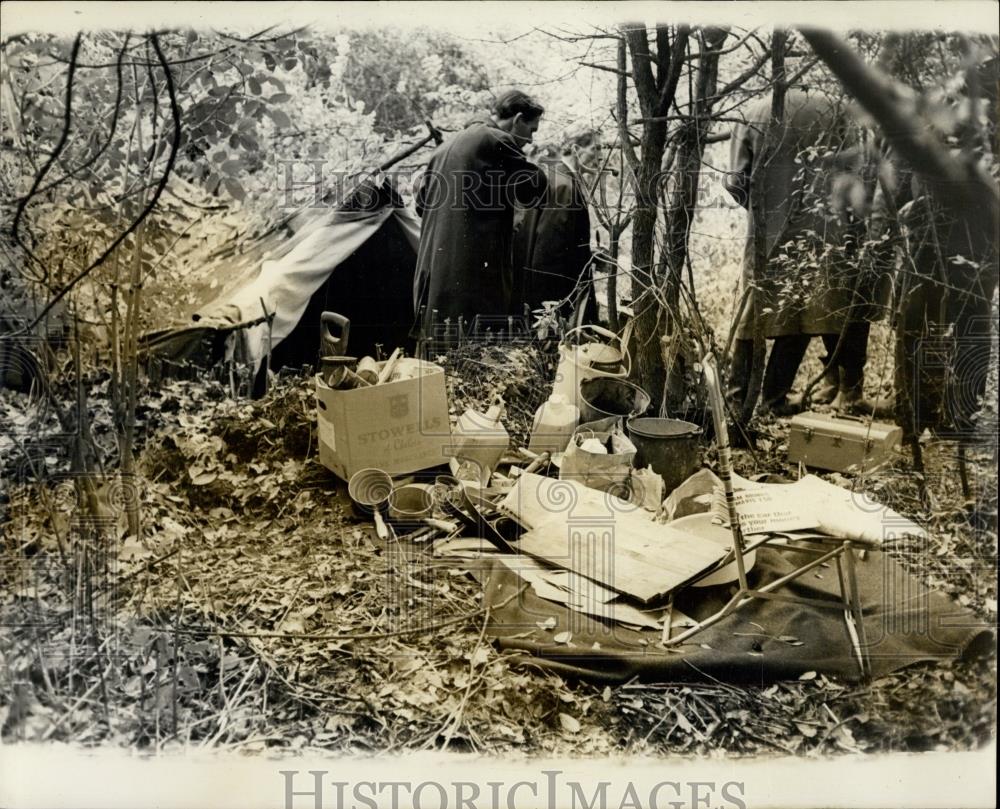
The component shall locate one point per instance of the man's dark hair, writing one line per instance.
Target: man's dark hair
(581, 141)
(512, 102)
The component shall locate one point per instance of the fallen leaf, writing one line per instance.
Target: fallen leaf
(230, 661)
(806, 730)
(569, 723)
(563, 637)
(293, 624)
(132, 551)
(548, 623)
(844, 738)
(809, 675)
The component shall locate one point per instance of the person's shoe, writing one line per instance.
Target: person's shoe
(856, 403)
(827, 392)
(787, 406)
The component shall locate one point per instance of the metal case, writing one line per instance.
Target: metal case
(841, 443)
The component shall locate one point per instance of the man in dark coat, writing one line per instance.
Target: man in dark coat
(944, 295)
(466, 199)
(552, 256)
(810, 279)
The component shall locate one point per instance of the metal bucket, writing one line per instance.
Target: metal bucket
(670, 446)
(606, 396)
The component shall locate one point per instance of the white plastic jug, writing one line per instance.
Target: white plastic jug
(588, 360)
(555, 421)
(480, 439)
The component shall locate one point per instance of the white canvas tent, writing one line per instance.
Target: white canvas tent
(357, 260)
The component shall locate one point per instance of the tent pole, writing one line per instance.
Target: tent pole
(267, 357)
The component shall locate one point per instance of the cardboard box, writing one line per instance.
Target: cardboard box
(398, 427)
(841, 443)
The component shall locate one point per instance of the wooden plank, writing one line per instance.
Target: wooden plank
(536, 498)
(629, 554)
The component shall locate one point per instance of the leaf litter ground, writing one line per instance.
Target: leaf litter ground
(259, 613)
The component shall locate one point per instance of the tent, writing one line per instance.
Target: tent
(358, 260)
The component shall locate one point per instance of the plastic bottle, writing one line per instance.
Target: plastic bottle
(480, 440)
(555, 421)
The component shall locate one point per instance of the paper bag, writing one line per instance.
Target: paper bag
(606, 471)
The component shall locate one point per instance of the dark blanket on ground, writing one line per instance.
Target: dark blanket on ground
(905, 623)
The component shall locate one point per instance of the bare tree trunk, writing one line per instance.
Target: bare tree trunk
(656, 95)
(131, 383)
(683, 201)
(648, 310)
(614, 248)
(615, 225)
(82, 460)
(759, 218)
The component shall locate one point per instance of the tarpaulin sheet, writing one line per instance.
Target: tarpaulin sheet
(904, 621)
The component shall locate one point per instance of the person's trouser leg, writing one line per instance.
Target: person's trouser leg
(851, 359)
(853, 356)
(829, 385)
(739, 374)
(782, 366)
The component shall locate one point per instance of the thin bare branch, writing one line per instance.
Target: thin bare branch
(111, 130)
(745, 76)
(60, 145)
(175, 144)
(607, 69)
(722, 52)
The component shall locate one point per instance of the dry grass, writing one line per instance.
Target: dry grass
(258, 613)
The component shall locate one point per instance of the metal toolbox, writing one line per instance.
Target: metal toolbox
(841, 443)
